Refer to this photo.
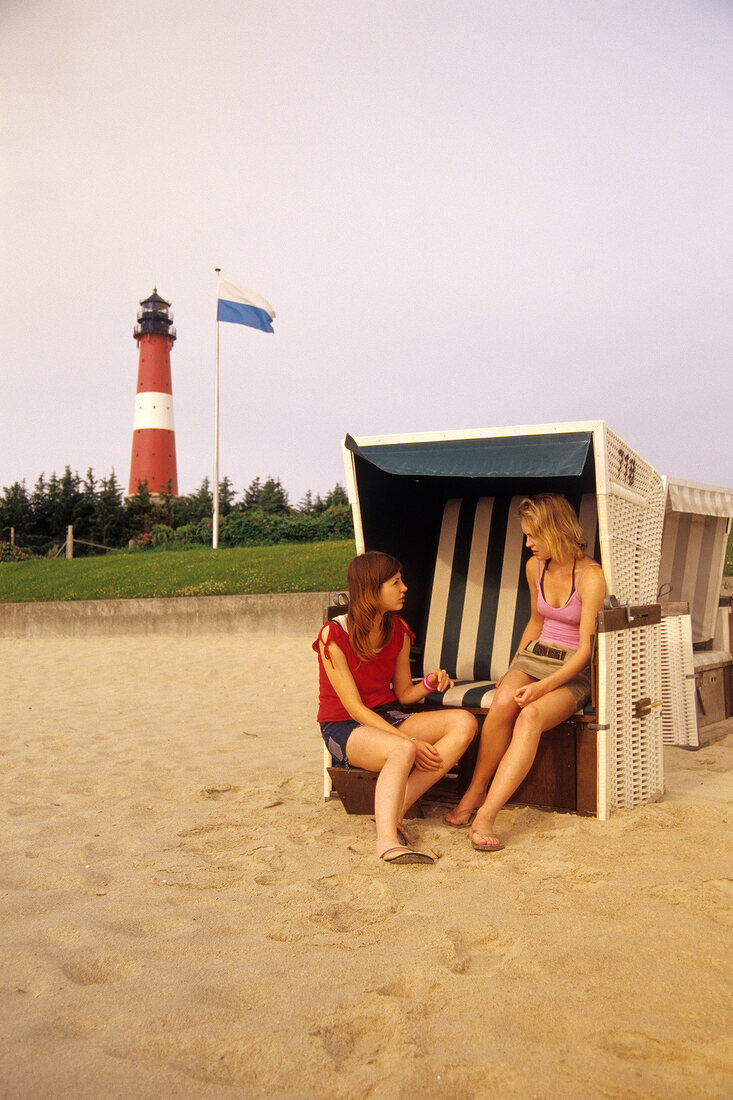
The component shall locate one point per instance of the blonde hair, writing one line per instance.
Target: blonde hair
(551, 519)
(366, 575)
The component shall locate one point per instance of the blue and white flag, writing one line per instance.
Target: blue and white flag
(243, 307)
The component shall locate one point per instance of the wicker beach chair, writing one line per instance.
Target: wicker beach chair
(445, 505)
(697, 663)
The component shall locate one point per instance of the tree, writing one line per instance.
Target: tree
(251, 495)
(164, 508)
(15, 511)
(337, 498)
(273, 499)
(83, 505)
(42, 524)
(139, 510)
(269, 499)
(226, 497)
(306, 505)
(200, 503)
(110, 520)
(69, 497)
(85, 509)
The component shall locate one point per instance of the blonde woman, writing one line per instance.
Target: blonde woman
(549, 678)
(364, 681)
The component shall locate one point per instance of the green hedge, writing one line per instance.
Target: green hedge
(8, 552)
(251, 529)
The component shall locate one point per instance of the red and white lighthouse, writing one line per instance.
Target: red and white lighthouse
(153, 435)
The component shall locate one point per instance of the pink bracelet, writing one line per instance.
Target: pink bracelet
(425, 684)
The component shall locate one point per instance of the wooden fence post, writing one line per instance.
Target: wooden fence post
(69, 542)
(12, 536)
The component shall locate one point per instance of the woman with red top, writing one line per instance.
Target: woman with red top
(364, 679)
(549, 678)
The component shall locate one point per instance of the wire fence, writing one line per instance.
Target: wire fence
(44, 547)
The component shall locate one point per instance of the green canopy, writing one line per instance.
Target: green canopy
(562, 455)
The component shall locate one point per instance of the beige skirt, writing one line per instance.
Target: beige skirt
(540, 666)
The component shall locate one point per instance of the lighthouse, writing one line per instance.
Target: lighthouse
(153, 435)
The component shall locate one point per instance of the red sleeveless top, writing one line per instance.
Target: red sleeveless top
(372, 678)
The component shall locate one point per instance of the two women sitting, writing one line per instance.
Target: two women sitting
(365, 681)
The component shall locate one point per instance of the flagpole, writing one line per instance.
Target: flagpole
(215, 518)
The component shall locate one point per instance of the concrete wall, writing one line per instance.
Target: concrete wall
(277, 613)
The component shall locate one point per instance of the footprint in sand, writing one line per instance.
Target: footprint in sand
(712, 899)
(340, 905)
(353, 902)
(212, 1056)
(96, 971)
(480, 955)
(216, 826)
(419, 987)
(271, 858)
(354, 1035)
(636, 1046)
(219, 791)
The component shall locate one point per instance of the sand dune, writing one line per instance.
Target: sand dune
(182, 915)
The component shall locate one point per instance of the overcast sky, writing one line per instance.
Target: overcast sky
(465, 214)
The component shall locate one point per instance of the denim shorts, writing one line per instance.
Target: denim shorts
(336, 734)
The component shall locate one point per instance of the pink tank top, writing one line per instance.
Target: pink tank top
(561, 625)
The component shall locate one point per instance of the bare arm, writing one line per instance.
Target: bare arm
(408, 693)
(339, 674)
(343, 683)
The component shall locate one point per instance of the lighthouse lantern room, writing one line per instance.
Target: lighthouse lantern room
(153, 436)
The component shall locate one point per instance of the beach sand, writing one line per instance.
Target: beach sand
(184, 916)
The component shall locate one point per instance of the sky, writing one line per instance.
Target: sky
(467, 214)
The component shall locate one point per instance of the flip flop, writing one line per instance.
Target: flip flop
(471, 815)
(407, 856)
(487, 847)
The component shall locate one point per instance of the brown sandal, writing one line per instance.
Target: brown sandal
(407, 855)
(487, 847)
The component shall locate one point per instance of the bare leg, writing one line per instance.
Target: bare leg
(393, 757)
(451, 732)
(496, 735)
(514, 766)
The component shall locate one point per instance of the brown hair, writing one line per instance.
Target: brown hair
(551, 519)
(367, 573)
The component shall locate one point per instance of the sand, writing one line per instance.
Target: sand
(183, 915)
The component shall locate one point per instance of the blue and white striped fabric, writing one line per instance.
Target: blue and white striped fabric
(479, 601)
(243, 307)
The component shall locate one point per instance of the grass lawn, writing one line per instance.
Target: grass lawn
(200, 571)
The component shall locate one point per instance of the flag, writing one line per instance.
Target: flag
(243, 307)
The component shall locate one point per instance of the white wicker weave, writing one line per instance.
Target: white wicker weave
(679, 713)
(631, 499)
(630, 759)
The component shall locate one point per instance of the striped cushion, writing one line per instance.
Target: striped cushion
(479, 602)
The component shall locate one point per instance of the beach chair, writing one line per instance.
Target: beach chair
(445, 505)
(697, 662)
